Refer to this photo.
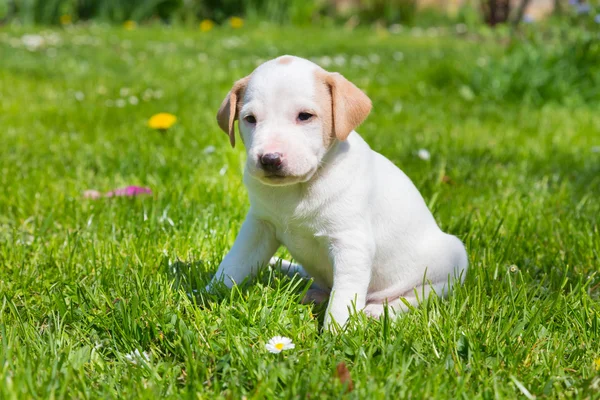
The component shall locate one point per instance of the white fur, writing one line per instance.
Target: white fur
(275, 95)
(355, 222)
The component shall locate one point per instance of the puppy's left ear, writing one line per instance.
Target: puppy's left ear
(350, 105)
(228, 112)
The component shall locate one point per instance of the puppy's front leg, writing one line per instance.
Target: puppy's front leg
(252, 249)
(352, 257)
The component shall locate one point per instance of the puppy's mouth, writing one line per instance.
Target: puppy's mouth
(277, 179)
(282, 179)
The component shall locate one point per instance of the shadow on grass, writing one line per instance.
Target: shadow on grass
(192, 278)
(188, 276)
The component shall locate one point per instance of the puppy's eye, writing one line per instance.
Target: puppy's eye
(250, 119)
(304, 116)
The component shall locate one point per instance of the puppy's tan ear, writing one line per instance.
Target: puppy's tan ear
(350, 105)
(228, 112)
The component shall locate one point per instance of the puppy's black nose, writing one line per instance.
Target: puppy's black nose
(271, 161)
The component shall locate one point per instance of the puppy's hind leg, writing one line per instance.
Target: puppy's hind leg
(454, 267)
(289, 268)
(315, 294)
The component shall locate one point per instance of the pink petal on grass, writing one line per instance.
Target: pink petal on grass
(129, 191)
(92, 194)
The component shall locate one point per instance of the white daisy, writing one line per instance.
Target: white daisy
(424, 154)
(397, 108)
(135, 356)
(325, 61)
(374, 58)
(279, 343)
(209, 149)
(32, 42)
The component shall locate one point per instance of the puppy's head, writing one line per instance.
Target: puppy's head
(290, 111)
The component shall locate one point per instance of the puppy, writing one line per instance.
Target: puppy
(355, 222)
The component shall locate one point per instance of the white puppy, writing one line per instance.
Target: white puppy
(355, 222)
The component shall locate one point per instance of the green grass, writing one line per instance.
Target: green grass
(85, 282)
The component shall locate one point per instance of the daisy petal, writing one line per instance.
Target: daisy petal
(279, 343)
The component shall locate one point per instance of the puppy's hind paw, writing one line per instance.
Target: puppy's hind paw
(289, 268)
(373, 310)
(316, 296)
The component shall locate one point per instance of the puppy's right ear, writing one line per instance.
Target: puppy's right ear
(228, 112)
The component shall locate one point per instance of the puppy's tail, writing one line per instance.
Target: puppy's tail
(289, 268)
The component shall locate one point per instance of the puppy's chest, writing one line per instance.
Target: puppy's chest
(299, 238)
(310, 248)
(306, 239)
(303, 225)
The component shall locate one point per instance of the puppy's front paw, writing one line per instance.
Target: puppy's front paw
(316, 296)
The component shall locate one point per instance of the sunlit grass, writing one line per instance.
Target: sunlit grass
(87, 286)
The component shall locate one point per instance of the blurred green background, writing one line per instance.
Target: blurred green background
(491, 108)
(302, 12)
(551, 47)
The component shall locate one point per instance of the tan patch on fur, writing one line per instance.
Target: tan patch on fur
(350, 106)
(230, 107)
(323, 93)
(284, 60)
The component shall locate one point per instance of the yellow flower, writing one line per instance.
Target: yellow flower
(236, 22)
(206, 25)
(597, 364)
(162, 121)
(66, 19)
(130, 25)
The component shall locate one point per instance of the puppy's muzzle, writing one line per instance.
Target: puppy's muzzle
(271, 162)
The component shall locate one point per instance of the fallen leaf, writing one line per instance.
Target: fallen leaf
(447, 179)
(343, 374)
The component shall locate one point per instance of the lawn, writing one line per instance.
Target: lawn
(85, 284)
